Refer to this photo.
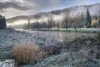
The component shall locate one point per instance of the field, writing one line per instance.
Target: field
(54, 44)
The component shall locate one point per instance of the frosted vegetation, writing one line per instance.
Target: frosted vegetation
(9, 37)
(7, 63)
(81, 51)
(49, 49)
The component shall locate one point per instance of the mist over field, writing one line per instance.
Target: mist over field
(43, 18)
(57, 15)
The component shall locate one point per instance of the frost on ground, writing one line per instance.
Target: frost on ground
(80, 52)
(69, 59)
(7, 63)
(78, 59)
(10, 37)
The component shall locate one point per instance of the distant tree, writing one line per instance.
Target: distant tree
(99, 20)
(44, 25)
(75, 24)
(51, 22)
(88, 19)
(65, 20)
(27, 25)
(36, 25)
(58, 25)
(81, 21)
(2, 22)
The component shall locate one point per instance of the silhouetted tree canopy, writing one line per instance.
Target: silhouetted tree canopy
(2, 22)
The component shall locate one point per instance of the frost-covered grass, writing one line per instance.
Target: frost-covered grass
(7, 63)
(69, 59)
(10, 37)
(80, 52)
(89, 30)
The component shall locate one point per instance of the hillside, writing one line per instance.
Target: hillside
(58, 15)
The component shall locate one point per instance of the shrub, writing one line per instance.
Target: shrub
(25, 53)
(51, 49)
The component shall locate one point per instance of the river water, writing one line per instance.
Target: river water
(61, 36)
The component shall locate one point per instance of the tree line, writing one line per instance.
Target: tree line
(77, 22)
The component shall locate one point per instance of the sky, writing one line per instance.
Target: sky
(11, 8)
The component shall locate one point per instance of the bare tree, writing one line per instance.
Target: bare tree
(51, 22)
(58, 25)
(99, 20)
(65, 21)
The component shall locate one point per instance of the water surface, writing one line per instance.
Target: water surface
(64, 35)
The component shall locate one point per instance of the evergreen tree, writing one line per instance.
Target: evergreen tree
(99, 20)
(2, 22)
(88, 19)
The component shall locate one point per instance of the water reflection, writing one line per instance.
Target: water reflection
(66, 35)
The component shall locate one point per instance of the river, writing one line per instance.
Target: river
(61, 36)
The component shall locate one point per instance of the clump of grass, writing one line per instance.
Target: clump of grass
(25, 53)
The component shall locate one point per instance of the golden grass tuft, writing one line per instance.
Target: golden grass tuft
(25, 53)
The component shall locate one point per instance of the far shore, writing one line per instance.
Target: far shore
(78, 30)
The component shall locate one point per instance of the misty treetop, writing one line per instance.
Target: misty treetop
(2, 22)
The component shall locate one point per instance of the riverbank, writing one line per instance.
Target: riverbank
(61, 36)
(78, 30)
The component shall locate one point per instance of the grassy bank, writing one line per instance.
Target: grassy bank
(78, 30)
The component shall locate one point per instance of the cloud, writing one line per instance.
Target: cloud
(18, 4)
(16, 7)
(11, 8)
(12, 5)
(29, 7)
